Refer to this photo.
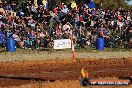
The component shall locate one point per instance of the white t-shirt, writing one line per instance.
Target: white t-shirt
(65, 27)
(120, 24)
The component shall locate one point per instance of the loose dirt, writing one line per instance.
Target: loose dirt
(62, 73)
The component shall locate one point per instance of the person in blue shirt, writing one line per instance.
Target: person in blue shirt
(91, 4)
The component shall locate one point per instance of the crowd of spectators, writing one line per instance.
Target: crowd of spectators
(37, 26)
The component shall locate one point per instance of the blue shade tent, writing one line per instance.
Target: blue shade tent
(91, 4)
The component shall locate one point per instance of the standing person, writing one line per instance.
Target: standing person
(45, 4)
(37, 41)
(91, 4)
(58, 31)
(31, 37)
(129, 36)
(13, 6)
(73, 5)
(65, 10)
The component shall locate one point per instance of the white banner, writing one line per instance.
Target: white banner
(62, 44)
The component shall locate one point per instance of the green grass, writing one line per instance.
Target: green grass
(88, 49)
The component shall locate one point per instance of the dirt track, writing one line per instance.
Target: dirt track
(22, 72)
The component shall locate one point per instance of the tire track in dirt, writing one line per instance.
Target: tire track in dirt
(25, 71)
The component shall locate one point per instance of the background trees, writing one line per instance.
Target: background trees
(113, 4)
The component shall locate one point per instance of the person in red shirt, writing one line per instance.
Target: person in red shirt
(58, 31)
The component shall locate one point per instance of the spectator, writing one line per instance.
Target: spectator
(36, 26)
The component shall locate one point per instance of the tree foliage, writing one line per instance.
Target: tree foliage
(128, 0)
(113, 4)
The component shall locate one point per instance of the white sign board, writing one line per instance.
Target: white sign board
(62, 44)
